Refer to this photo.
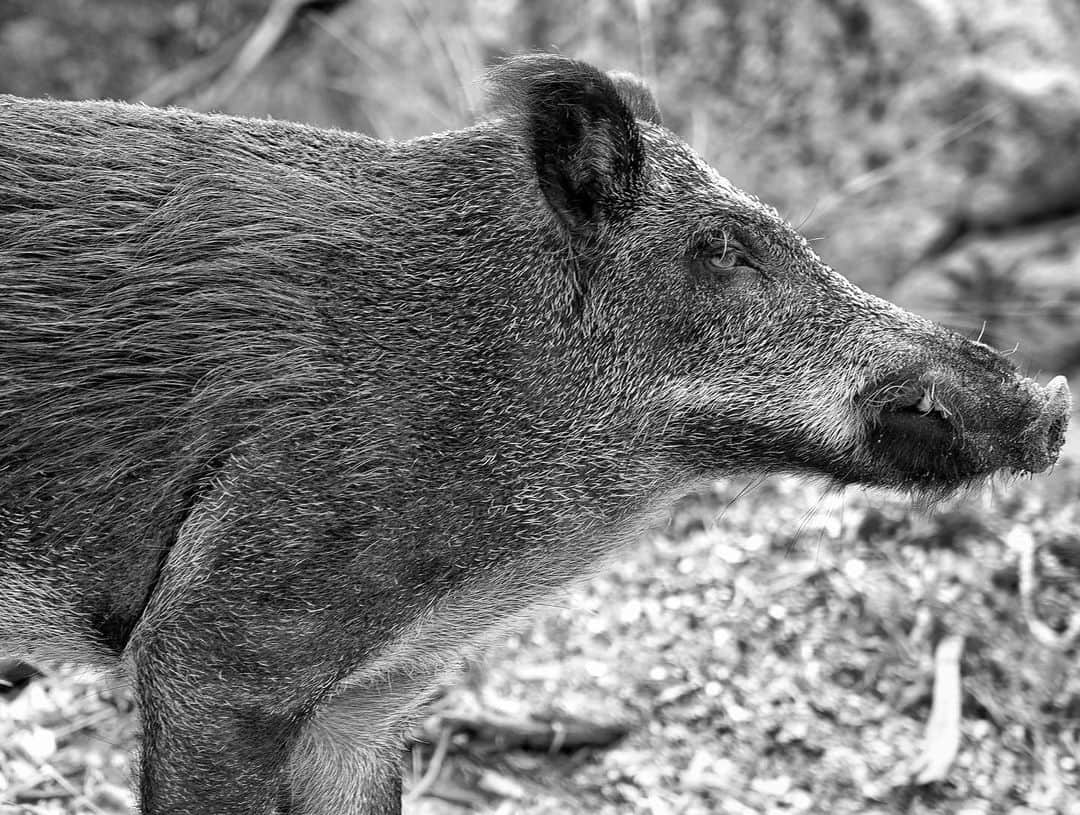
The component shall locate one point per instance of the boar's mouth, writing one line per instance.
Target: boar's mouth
(925, 432)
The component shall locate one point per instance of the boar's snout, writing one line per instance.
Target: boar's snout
(1046, 433)
(932, 430)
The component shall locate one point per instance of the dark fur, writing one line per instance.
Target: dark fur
(291, 417)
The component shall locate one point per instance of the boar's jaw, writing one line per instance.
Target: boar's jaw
(926, 433)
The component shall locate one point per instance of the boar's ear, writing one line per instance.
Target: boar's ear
(584, 138)
(637, 96)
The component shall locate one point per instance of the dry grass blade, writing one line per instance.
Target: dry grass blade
(874, 178)
(428, 779)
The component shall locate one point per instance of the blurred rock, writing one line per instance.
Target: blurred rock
(1019, 288)
(1022, 161)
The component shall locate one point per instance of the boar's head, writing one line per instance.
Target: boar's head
(733, 345)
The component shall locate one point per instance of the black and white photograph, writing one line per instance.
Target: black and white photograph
(510, 407)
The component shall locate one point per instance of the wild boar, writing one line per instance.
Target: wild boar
(290, 418)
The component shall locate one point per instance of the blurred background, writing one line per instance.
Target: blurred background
(775, 649)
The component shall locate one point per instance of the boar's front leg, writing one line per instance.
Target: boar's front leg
(240, 661)
(208, 744)
(219, 744)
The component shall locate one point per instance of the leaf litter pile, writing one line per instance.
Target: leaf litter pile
(780, 648)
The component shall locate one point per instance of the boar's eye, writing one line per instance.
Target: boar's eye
(723, 261)
(726, 257)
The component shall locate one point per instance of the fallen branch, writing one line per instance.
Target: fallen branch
(504, 733)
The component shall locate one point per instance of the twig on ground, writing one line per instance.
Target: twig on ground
(505, 733)
(90, 806)
(942, 739)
